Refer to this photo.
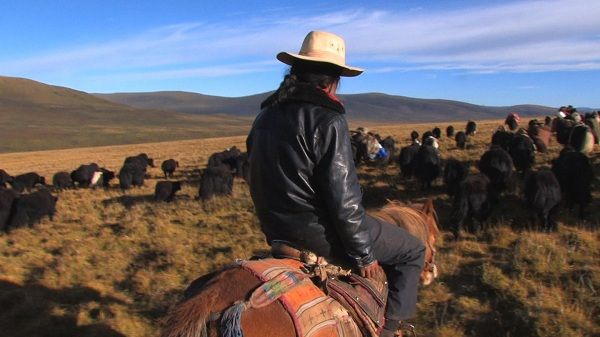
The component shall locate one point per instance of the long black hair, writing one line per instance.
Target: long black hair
(316, 74)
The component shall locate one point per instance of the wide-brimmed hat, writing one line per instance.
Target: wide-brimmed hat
(322, 47)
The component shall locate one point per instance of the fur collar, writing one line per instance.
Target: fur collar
(306, 93)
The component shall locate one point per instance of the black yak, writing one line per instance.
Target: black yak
(575, 176)
(29, 209)
(533, 128)
(242, 166)
(437, 133)
(142, 160)
(414, 136)
(165, 190)
(131, 174)
(5, 178)
(542, 197)
(471, 128)
(512, 121)
(450, 131)
(431, 141)
(84, 175)
(427, 166)
(426, 135)
(62, 180)
(406, 160)
(169, 166)
(215, 180)
(454, 172)
(502, 138)
(562, 127)
(29, 180)
(497, 165)
(227, 157)
(473, 202)
(7, 198)
(107, 176)
(461, 140)
(522, 152)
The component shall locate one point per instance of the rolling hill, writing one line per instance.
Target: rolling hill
(37, 116)
(375, 107)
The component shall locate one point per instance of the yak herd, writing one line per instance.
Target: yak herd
(26, 199)
(508, 163)
(504, 167)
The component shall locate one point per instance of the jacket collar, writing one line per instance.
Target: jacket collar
(309, 94)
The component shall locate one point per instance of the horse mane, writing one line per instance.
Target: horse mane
(413, 220)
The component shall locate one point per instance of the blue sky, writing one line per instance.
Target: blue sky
(482, 52)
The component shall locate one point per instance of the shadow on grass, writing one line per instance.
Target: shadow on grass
(129, 201)
(35, 310)
(509, 315)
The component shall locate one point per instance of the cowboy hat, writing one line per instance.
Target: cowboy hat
(322, 47)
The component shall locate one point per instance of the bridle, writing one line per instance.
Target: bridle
(430, 266)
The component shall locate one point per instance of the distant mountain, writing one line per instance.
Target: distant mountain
(37, 116)
(375, 107)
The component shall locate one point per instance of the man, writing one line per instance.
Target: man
(304, 184)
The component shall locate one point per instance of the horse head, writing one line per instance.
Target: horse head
(430, 271)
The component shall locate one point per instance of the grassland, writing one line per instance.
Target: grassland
(111, 264)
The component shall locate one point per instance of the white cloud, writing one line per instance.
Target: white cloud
(193, 72)
(529, 36)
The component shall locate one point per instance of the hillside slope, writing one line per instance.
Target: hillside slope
(369, 106)
(37, 116)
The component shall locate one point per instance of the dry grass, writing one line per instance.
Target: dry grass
(110, 264)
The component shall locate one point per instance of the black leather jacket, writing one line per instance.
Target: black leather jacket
(302, 176)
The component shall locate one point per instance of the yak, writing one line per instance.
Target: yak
(169, 166)
(29, 209)
(62, 180)
(472, 202)
(454, 173)
(542, 197)
(427, 165)
(450, 131)
(165, 190)
(215, 180)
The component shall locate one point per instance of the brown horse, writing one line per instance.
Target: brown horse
(420, 223)
(208, 296)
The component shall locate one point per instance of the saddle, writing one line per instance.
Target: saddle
(322, 299)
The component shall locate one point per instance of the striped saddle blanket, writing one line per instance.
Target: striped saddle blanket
(314, 313)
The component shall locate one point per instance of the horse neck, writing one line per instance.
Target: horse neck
(414, 221)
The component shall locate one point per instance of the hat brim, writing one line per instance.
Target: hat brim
(346, 71)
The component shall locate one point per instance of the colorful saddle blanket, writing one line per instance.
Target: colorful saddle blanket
(313, 312)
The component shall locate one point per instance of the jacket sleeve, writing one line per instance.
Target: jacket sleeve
(338, 186)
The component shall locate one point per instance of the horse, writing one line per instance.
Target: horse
(211, 296)
(420, 223)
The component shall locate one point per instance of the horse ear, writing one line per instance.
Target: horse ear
(428, 206)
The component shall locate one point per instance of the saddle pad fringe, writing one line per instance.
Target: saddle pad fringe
(231, 320)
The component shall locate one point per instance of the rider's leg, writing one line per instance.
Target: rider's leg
(401, 255)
